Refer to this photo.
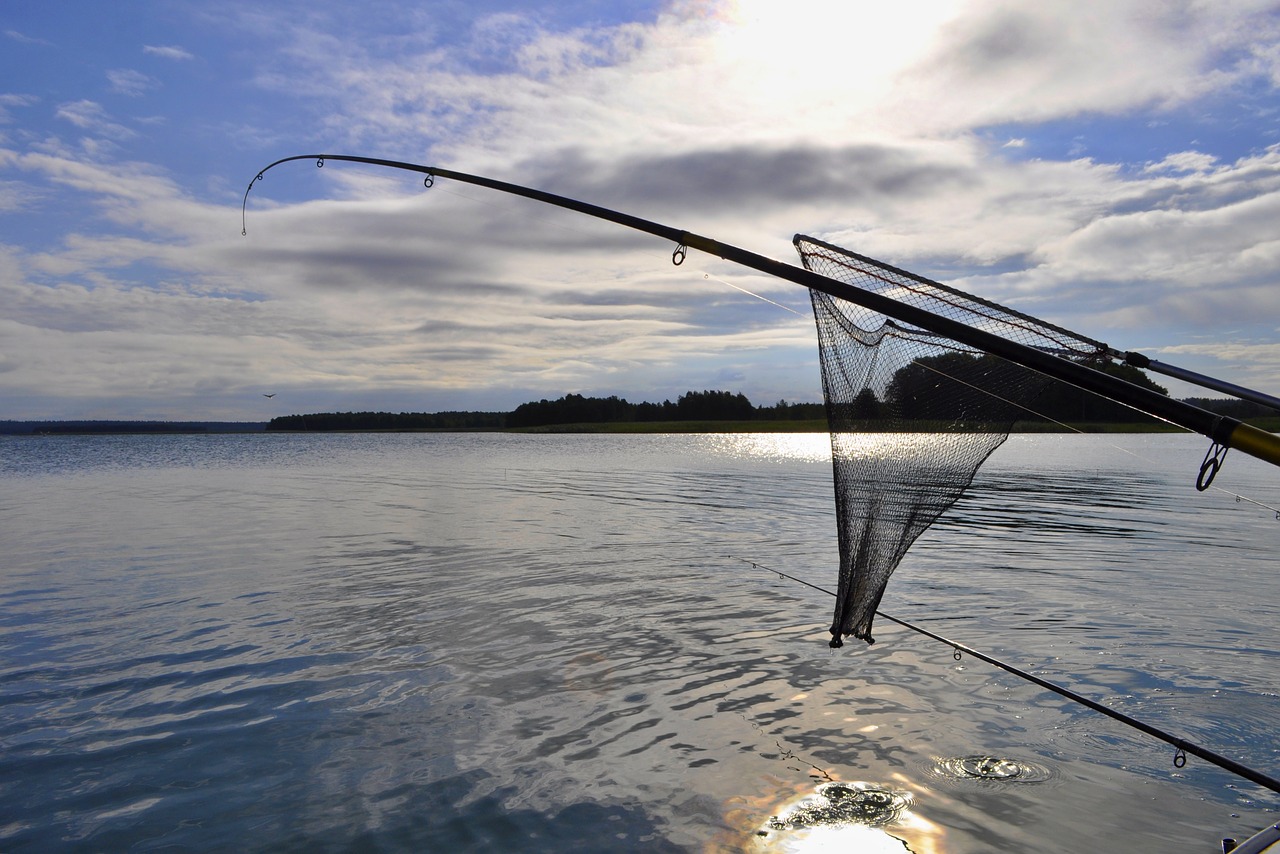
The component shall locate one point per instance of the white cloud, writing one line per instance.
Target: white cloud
(126, 81)
(16, 195)
(26, 39)
(168, 52)
(1252, 364)
(1003, 62)
(14, 100)
(1184, 161)
(1157, 255)
(868, 126)
(90, 116)
(359, 295)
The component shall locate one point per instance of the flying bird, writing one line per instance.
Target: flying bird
(273, 394)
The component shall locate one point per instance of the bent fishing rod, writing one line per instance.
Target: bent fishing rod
(1182, 746)
(1225, 432)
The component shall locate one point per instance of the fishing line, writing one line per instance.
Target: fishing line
(506, 205)
(712, 278)
(1182, 746)
(1239, 498)
(584, 233)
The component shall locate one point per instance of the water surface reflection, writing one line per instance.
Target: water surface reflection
(540, 644)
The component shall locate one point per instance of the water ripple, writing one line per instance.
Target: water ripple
(996, 770)
(533, 643)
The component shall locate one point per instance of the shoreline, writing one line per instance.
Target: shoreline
(818, 425)
(640, 429)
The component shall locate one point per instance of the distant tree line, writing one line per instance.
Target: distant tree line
(358, 421)
(691, 406)
(941, 389)
(930, 390)
(1062, 402)
(917, 392)
(570, 409)
(1232, 408)
(27, 428)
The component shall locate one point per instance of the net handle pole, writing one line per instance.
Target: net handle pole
(1140, 361)
(1227, 432)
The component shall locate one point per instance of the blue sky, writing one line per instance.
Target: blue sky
(1114, 168)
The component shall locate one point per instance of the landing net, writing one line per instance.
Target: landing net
(912, 414)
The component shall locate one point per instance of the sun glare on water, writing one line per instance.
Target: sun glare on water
(854, 839)
(858, 818)
(806, 447)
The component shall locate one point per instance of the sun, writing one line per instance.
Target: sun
(814, 55)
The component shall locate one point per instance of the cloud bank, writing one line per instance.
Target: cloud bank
(1070, 162)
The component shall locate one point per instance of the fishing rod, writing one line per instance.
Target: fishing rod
(1225, 432)
(1182, 746)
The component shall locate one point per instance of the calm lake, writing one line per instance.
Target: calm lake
(492, 642)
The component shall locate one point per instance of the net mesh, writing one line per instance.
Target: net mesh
(912, 414)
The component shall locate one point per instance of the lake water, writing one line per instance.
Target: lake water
(491, 642)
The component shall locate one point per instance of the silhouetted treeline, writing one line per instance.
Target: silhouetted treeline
(352, 421)
(1062, 402)
(1233, 408)
(27, 428)
(576, 409)
(783, 411)
(913, 393)
(573, 409)
(570, 409)
(940, 389)
(691, 406)
(924, 391)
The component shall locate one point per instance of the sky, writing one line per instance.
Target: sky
(1111, 167)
